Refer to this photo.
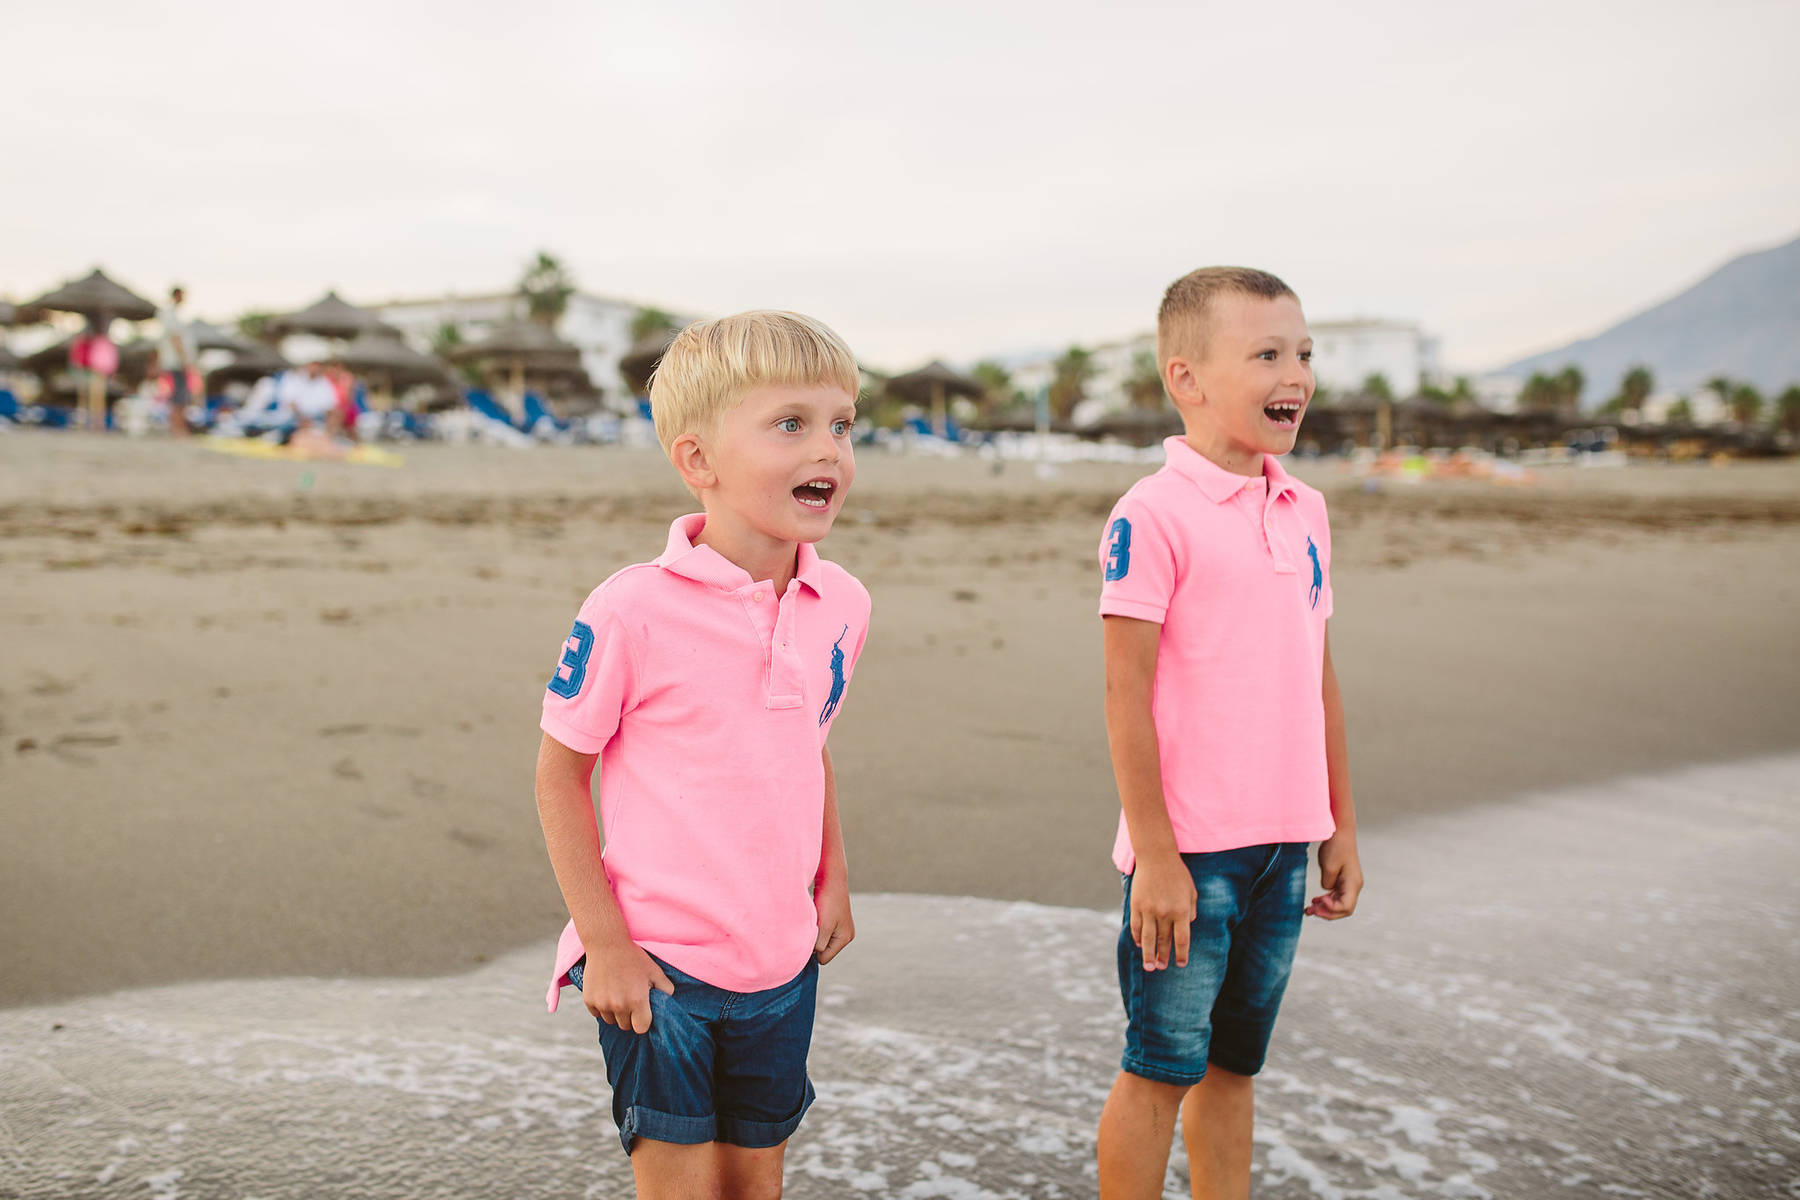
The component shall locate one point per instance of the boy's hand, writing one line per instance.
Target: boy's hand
(1340, 873)
(831, 899)
(1163, 901)
(616, 985)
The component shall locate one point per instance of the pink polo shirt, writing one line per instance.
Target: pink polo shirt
(1237, 571)
(708, 698)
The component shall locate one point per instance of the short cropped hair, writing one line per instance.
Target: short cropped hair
(711, 365)
(1182, 323)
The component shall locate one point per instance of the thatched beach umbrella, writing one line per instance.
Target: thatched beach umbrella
(95, 296)
(99, 299)
(247, 366)
(390, 361)
(523, 346)
(330, 317)
(934, 384)
(10, 315)
(207, 336)
(639, 363)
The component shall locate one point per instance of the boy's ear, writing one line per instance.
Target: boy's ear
(688, 453)
(1182, 382)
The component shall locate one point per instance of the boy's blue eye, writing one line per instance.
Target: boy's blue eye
(788, 424)
(840, 428)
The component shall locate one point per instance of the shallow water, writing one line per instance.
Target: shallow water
(1592, 993)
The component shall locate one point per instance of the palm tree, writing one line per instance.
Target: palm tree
(1073, 370)
(1569, 382)
(546, 286)
(1541, 394)
(1680, 413)
(1144, 385)
(998, 392)
(651, 322)
(1787, 408)
(1635, 388)
(1746, 404)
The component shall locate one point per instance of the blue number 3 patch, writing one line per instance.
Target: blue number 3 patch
(574, 660)
(1118, 553)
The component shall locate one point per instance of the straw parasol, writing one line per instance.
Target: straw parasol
(524, 345)
(390, 361)
(330, 317)
(934, 383)
(207, 336)
(639, 363)
(10, 315)
(247, 365)
(95, 295)
(99, 299)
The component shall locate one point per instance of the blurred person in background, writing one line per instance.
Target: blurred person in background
(176, 357)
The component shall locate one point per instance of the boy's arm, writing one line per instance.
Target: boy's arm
(616, 983)
(831, 890)
(1340, 870)
(1162, 889)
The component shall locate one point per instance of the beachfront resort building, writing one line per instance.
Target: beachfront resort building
(600, 326)
(1346, 353)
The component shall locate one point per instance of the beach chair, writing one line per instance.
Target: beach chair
(486, 406)
(9, 406)
(538, 419)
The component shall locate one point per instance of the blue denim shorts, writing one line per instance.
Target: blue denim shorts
(715, 1066)
(1220, 1007)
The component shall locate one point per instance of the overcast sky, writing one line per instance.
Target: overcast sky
(954, 179)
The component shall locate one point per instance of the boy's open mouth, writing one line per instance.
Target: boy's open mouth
(815, 493)
(1285, 413)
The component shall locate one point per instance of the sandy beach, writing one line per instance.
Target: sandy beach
(271, 720)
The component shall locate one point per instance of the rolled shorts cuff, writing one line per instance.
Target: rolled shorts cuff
(1132, 1066)
(642, 1122)
(760, 1135)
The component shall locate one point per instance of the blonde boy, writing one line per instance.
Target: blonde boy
(1226, 730)
(704, 684)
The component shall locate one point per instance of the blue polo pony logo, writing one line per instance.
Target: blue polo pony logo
(1318, 582)
(837, 678)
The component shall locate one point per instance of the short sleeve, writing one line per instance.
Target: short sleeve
(595, 682)
(1137, 564)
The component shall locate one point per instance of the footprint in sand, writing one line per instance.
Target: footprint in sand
(71, 747)
(474, 841)
(345, 768)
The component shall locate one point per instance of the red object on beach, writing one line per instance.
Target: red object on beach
(94, 352)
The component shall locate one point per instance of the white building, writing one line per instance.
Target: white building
(1345, 353)
(599, 326)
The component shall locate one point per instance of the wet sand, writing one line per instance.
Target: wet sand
(266, 719)
(1571, 995)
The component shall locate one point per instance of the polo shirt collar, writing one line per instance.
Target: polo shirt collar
(705, 565)
(1215, 482)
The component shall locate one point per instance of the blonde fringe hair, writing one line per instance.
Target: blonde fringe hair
(711, 364)
(1183, 321)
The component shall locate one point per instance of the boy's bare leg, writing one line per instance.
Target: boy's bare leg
(672, 1171)
(1136, 1128)
(747, 1174)
(1216, 1121)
